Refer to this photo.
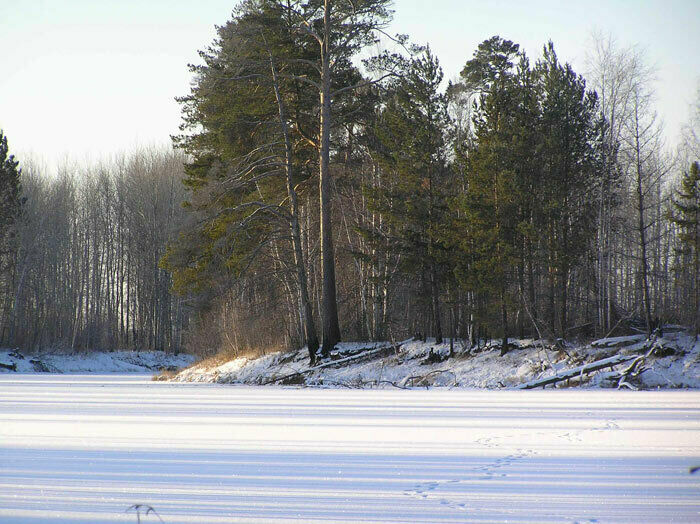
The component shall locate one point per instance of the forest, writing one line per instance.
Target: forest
(323, 187)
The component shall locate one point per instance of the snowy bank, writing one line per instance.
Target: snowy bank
(93, 362)
(674, 363)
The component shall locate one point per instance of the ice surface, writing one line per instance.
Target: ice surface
(85, 448)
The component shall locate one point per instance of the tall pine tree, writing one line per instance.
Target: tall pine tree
(570, 175)
(686, 214)
(247, 119)
(10, 211)
(411, 150)
(487, 213)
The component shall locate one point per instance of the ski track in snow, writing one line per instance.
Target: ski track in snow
(85, 448)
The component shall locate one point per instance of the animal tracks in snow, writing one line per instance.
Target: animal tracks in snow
(438, 491)
(455, 493)
(81, 448)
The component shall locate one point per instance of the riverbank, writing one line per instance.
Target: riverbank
(672, 361)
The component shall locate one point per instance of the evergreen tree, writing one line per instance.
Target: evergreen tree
(529, 173)
(247, 118)
(340, 29)
(411, 150)
(570, 179)
(491, 66)
(10, 191)
(487, 213)
(10, 211)
(278, 84)
(686, 214)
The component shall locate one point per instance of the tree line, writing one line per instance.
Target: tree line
(523, 200)
(81, 253)
(323, 200)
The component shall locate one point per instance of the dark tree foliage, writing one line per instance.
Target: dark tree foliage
(411, 150)
(686, 215)
(232, 133)
(341, 28)
(10, 210)
(492, 62)
(530, 169)
(10, 193)
(277, 92)
(487, 215)
(249, 120)
(571, 174)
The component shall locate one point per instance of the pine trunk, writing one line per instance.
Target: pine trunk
(329, 313)
(310, 337)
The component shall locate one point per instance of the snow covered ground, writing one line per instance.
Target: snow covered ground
(92, 362)
(676, 366)
(85, 448)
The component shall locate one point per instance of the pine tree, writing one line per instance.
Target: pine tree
(280, 73)
(411, 150)
(686, 207)
(486, 231)
(490, 213)
(10, 191)
(246, 118)
(339, 29)
(530, 173)
(10, 211)
(570, 179)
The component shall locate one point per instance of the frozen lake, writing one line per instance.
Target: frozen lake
(85, 448)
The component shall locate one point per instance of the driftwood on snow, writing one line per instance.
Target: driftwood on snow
(11, 367)
(638, 365)
(577, 371)
(358, 357)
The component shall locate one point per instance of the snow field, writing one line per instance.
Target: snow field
(85, 448)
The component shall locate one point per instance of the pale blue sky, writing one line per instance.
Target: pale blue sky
(82, 79)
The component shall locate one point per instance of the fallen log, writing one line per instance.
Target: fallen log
(577, 371)
(638, 365)
(374, 353)
(618, 341)
(11, 367)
